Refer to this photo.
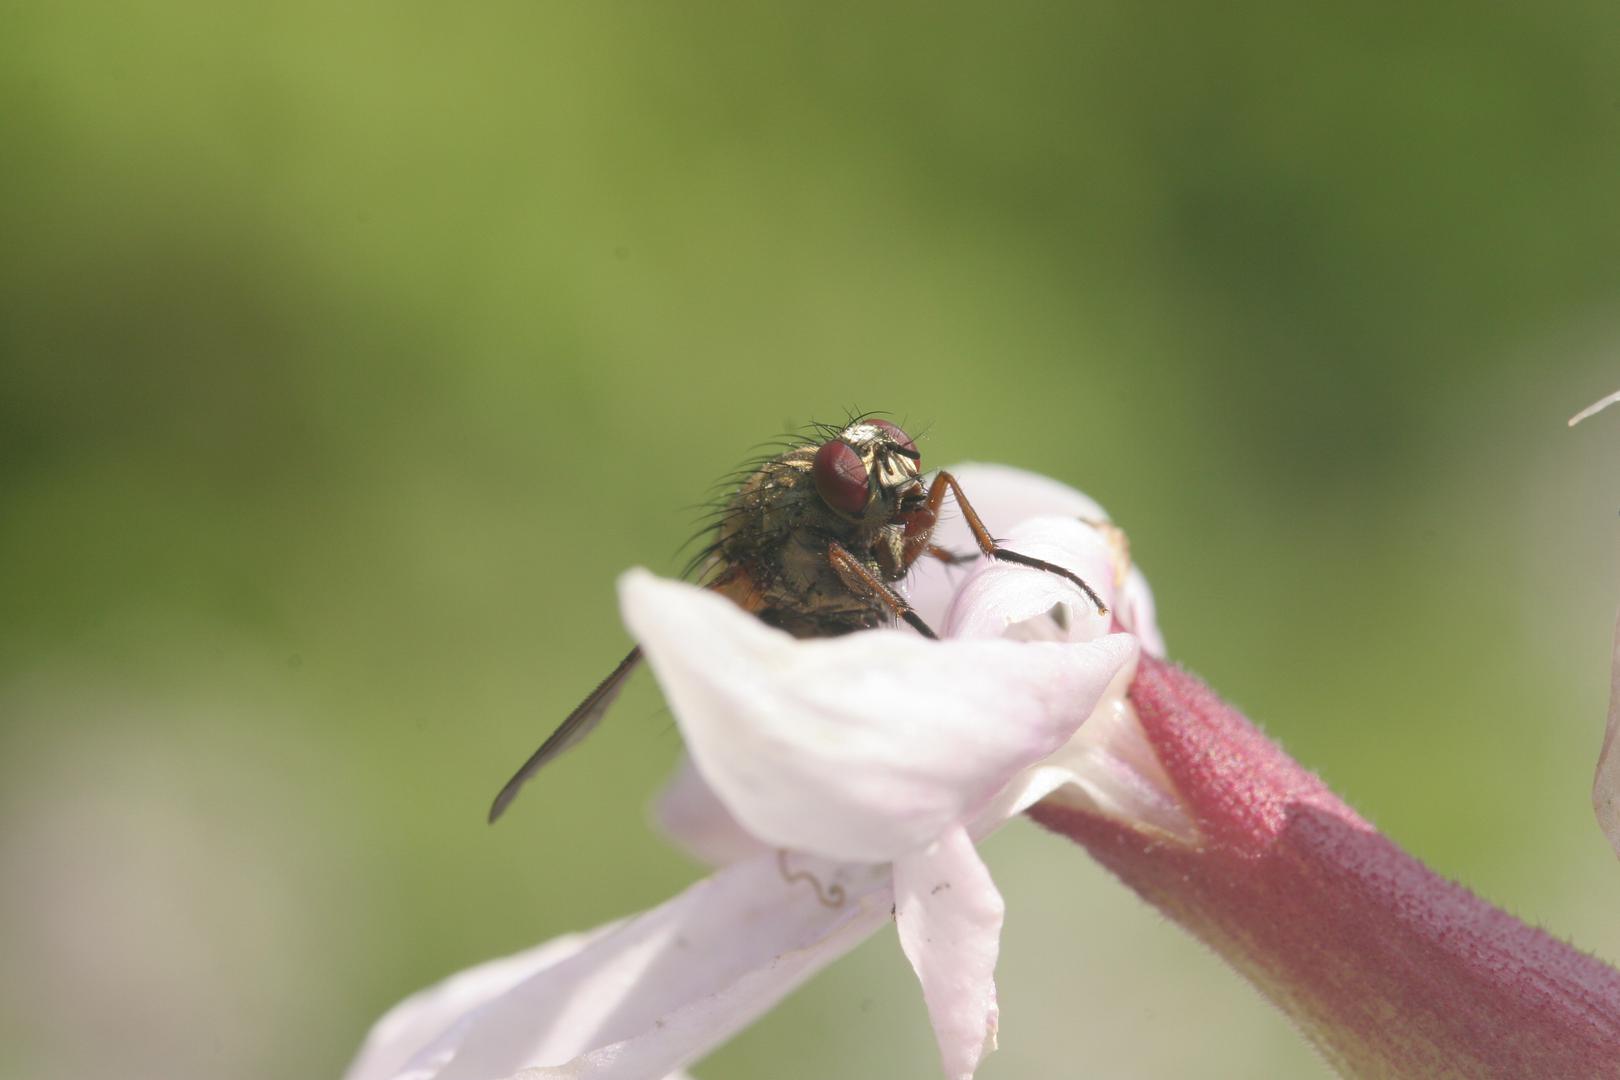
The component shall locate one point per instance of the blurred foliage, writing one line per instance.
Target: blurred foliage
(348, 352)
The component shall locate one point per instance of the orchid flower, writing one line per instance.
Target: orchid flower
(842, 783)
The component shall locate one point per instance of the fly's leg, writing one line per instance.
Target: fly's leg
(862, 582)
(920, 524)
(947, 556)
(944, 481)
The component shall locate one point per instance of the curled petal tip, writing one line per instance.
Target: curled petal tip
(1594, 408)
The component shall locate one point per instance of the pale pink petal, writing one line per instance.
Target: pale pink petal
(1005, 599)
(649, 995)
(1606, 785)
(949, 916)
(1003, 497)
(1138, 614)
(863, 747)
(558, 1072)
(688, 812)
(1108, 767)
(1596, 407)
(548, 1072)
(1107, 761)
(427, 1014)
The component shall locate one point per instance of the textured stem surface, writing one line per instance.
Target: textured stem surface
(1388, 968)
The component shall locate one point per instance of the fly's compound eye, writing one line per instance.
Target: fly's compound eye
(840, 476)
(900, 438)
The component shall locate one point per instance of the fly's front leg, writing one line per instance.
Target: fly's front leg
(919, 533)
(862, 582)
(919, 525)
(987, 543)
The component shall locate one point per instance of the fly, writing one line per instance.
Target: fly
(813, 543)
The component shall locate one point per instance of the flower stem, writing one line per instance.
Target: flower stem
(1388, 968)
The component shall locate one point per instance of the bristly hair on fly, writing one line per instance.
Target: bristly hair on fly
(717, 505)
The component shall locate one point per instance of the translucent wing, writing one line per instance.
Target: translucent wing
(579, 724)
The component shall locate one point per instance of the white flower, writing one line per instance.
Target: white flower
(835, 780)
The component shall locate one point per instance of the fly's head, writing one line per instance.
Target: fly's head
(869, 474)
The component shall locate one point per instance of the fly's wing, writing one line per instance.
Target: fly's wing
(579, 724)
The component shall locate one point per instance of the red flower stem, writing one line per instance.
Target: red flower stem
(1388, 968)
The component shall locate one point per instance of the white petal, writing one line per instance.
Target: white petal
(1606, 784)
(423, 1016)
(1003, 497)
(1005, 599)
(1138, 614)
(689, 813)
(1108, 767)
(650, 995)
(1107, 764)
(949, 916)
(1596, 407)
(863, 747)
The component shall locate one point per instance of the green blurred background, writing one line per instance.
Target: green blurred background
(350, 351)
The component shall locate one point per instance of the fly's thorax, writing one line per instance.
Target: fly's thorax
(768, 505)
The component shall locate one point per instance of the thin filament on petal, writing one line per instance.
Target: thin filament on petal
(832, 896)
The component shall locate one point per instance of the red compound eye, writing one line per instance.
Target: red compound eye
(840, 476)
(900, 438)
